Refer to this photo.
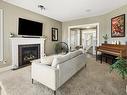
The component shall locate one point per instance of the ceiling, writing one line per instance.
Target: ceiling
(65, 10)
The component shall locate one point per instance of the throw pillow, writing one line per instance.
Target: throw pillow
(47, 60)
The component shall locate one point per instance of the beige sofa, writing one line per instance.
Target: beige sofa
(61, 69)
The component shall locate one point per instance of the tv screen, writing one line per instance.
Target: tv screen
(30, 28)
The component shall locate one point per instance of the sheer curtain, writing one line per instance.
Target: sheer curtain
(1, 35)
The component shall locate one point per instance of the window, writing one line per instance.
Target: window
(1, 35)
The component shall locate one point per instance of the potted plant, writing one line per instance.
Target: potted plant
(57, 48)
(61, 47)
(120, 66)
(105, 38)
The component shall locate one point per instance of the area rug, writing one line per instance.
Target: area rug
(95, 79)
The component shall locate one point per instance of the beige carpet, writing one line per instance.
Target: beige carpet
(95, 79)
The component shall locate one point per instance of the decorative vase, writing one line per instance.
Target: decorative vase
(11, 35)
(105, 42)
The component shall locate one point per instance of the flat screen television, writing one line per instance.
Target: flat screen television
(29, 28)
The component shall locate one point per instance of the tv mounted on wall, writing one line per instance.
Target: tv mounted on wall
(29, 28)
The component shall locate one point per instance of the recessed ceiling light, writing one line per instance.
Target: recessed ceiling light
(88, 10)
(88, 27)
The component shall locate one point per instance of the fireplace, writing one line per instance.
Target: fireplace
(28, 53)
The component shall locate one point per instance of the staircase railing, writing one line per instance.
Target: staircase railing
(89, 43)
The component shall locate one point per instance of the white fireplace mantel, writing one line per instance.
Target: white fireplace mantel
(15, 42)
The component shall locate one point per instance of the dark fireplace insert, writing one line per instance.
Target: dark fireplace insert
(28, 53)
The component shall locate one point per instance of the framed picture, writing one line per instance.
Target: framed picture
(54, 34)
(118, 26)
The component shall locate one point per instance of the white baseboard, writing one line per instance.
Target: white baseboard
(5, 68)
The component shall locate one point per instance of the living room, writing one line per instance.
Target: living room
(79, 73)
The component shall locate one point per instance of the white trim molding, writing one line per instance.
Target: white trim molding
(1, 35)
(84, 25)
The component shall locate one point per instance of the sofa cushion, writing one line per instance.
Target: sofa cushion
(75, 53)
(60, 59)
(47, 60)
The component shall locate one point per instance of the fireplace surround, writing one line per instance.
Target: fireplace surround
(25, 42)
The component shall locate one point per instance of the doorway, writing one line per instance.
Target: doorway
(84, 36)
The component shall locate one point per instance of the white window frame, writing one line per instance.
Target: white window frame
(1, 34)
